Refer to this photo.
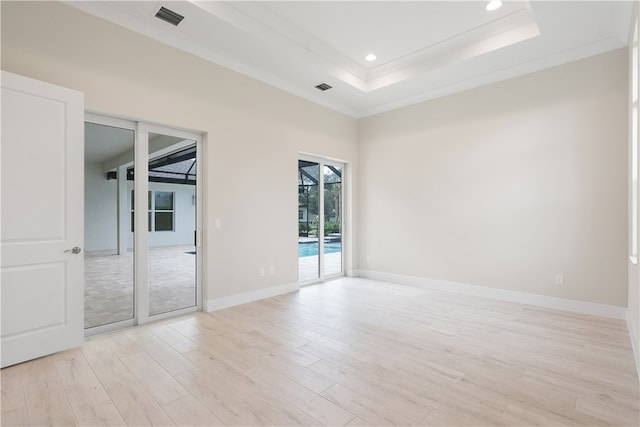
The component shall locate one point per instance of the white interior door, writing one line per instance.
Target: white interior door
(42, 219)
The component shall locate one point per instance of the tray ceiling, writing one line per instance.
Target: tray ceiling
(423, 49)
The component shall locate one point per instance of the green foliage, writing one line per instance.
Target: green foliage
(331, 227)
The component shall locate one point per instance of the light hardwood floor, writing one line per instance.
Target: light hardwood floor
(348, 352)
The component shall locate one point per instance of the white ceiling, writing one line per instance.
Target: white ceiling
(103, 142)
(108, 144)
(425, 49)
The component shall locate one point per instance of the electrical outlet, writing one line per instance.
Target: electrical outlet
(262, 272)
(559, 279)
(272, 270)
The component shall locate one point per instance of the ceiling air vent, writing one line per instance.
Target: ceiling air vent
(169, 16)
(323, 87)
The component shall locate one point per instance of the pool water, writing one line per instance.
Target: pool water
(311, 249)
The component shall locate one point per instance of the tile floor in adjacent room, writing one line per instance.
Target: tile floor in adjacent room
(109, 283)
(347, 352)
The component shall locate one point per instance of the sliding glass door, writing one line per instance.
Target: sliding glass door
(332, 219)
(172, 223)
(308, 220)
(320, 219)
(108, 247)
(143, 223)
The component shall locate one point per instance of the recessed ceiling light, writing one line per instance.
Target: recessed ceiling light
(493, 5)
(371, 57)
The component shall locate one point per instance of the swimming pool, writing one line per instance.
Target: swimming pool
(311, 249)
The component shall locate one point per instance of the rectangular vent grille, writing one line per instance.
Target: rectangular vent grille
(323, 87)
(169, 16)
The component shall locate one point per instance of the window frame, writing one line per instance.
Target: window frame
(151, 209)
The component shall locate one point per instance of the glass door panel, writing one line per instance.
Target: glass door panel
(109, 279)
(332, 220)
(309, 225)
(172, 223)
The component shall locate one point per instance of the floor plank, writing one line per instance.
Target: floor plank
(104, 414)
(47, 404)
(102, 359)
(221, 402)
(134, 403)
(372, 412)
(158, 382)
(12, 392)
(81, 385)
(188, 411)
(172, 361)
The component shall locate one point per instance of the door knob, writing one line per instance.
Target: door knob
(75, 250)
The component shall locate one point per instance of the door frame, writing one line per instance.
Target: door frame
(141, 239)
(322, 162)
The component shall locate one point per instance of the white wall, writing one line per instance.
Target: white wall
(504, 186)
(100, 209)
(254, 131)
(633, 289)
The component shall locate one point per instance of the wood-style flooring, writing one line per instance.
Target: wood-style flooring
(348, 352)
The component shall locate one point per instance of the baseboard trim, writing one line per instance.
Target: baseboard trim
(246, 297)
(566, 304)
(633, 335)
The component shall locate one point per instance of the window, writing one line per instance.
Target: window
(161, 210)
